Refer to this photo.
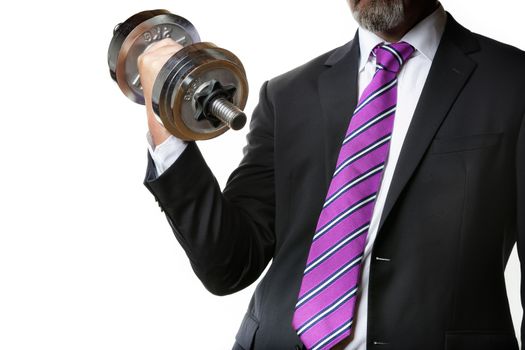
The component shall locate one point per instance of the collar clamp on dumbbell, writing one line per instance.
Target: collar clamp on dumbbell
(213, 101)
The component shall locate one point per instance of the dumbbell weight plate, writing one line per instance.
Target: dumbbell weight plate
(181, 77)
(134, 35)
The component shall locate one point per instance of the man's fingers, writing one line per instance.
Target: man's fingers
(166, 51)
(162, 43)
(159, 50)
(154, 61)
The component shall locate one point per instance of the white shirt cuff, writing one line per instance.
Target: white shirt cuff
(165, 154)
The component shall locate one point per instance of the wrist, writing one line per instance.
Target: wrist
(158, 132)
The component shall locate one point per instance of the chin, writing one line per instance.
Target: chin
(378, 15)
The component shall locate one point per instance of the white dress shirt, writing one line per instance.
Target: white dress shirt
(425, 38)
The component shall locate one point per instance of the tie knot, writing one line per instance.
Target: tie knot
(392, 56)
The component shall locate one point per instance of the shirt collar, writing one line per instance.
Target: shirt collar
(424, 37)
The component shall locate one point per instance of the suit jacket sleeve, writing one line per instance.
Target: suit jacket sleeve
(520, 173)
(227, 235)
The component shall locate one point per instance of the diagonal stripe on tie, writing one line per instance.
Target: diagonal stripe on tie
(330, 252)
(324, 311)
(329, 280)
(395, 53)
(340, 205)
(362, 152)
(365, 138)
(352, 182)
(341, 330)
(343, 215)
(327, 310)
(358, 167)
(369, 123)
(350, 224)
(377, 92)
(333, 260)
(322, 299)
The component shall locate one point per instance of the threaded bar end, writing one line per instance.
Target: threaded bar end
(228, 113)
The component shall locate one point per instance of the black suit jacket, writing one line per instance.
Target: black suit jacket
(454, 210)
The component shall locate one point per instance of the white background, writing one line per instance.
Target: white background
(87, 260)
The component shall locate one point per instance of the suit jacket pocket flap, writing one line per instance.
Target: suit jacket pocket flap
(480, 341)
(249, 326)
(464, 143)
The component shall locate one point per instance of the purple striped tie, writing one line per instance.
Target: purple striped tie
(325, 308)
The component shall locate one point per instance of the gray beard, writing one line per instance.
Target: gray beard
(380, 15)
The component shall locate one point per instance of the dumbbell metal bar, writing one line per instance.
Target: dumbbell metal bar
(228, 113)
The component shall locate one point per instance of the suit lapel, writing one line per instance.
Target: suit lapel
(450, 70)
(338, 96)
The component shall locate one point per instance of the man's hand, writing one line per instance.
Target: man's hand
(149, 65)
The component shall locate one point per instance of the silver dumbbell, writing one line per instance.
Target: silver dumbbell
(200, 91)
